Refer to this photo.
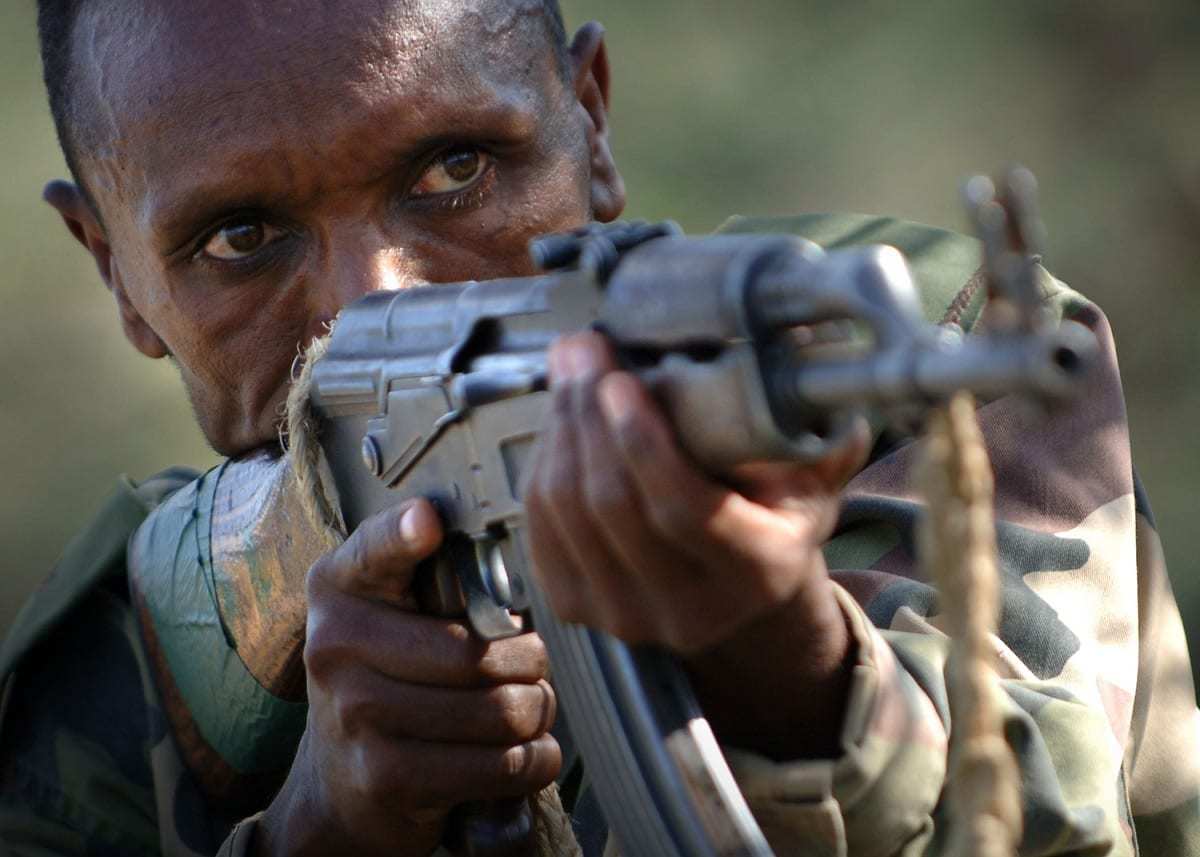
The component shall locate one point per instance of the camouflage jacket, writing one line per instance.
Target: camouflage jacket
(151, 722)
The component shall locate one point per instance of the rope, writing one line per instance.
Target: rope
(958, 545)
(304, 450)
(552, 826)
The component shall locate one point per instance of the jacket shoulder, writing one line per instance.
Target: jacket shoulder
(96, 555)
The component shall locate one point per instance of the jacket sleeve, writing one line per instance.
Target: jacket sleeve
(1095, 684)
(87, 766)
(1162, 757)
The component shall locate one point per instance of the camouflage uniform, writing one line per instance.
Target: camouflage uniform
(152, 723)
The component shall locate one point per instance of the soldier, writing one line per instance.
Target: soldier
(240, 173)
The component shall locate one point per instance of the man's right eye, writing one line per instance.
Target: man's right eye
(240, 239)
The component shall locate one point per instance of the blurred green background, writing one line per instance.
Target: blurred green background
(767, 106)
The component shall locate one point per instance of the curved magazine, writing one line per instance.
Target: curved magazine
(658, 771)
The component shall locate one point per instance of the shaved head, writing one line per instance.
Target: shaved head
(76, 79)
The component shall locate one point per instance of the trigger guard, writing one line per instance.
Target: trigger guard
(487, 591)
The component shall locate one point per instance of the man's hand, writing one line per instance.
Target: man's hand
(629, 536)
(409, 714)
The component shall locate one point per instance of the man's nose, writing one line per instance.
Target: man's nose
(359, 269)
(373, 269)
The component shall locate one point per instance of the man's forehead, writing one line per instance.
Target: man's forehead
(144, 62)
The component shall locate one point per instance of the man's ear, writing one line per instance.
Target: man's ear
(81, 221)
(589, 67)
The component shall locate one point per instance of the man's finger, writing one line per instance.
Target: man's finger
(379, 558)
(415, 648)
(636, 557)
(564, 587)
(676, 496)
(698, 517)
(419, 774)
(567, 546)
(502, 716)
(586, 348)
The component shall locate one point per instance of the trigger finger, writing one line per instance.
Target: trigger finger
(379, 558)
(565, 587)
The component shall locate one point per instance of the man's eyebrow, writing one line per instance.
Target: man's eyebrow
(175, 221)
(175, 217)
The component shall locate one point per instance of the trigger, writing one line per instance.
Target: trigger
(488, 591)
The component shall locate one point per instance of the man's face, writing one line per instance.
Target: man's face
(255, 170)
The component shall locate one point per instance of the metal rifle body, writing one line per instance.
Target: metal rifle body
(439, 391)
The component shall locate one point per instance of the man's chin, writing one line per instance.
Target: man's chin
(232, 432)
(243, 443)
(272, 448)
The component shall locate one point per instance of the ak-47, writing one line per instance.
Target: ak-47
(757, 347)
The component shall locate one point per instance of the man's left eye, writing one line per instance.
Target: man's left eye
(452, 171)
(240, 239)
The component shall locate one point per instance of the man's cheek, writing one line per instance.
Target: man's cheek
(239, 384)
(550, 196)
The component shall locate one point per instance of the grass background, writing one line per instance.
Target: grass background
(764, 107)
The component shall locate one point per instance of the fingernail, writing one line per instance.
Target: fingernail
(409, 527)
(616, 401)
(586, 359)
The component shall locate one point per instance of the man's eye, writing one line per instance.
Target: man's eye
(239, 239)
(452, 171)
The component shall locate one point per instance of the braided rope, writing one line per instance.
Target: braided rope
(552, 826)
(958, 547)
(304, 450)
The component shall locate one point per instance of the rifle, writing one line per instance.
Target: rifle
(440, 391)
